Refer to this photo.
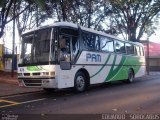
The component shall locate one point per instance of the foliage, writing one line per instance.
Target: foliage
(87, 13)
(22, 6)
(31, 17)
(131, 17)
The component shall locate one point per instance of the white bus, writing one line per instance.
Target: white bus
(66, 55)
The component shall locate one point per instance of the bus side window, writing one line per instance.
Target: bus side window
(75, 47)
(97, 43)
(106, 44)
(129, 48)
(64, 44)
(137, 50)
(86, 40)
(74, 44)
(142, 51)
(119, 47)
(90, 41)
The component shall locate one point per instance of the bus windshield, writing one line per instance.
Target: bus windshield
(36, 47)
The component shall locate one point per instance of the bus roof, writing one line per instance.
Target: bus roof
(69, 24)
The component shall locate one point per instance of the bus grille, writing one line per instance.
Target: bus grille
(34, 83)
(26, 74)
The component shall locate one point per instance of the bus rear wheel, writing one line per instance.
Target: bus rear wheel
(130, 76)
(80, 82)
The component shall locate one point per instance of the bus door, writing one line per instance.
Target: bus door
(65, 52)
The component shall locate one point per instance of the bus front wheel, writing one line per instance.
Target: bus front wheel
(80, 82)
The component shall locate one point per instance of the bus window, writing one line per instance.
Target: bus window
(97, 43)
(64, 43)
(90, 41)
(129, 48)
(75, 47)
(41, 45)
(119, 47)
(141, 51)
(106, 44)
(42, 42)
(137, 50)
(74, 44)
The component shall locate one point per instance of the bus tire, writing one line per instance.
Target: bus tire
(130, 76)
(80, 82)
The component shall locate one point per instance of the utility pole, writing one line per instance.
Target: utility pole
(149, 32)
(13, 44)
(147, 54)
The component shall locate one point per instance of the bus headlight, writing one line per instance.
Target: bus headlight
(48, 73)
(45, 73)
(52, 73)
(20, 74)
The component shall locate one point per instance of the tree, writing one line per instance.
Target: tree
(87, 13)
(6, 10)
(30, 18)
(132, 16)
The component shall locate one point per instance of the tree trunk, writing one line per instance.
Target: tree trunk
(64, 16)
(89, 14)
(133, 35)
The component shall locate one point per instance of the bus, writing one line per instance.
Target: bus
(66, 55)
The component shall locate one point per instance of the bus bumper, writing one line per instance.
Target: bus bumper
(38, 82)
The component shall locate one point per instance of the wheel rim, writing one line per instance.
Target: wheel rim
(80, 83)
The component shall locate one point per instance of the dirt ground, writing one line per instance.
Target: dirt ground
(7, 75)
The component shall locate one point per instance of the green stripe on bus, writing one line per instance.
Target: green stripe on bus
(112, 72)
(101, 67)
(122, 71)
(118, 74)
(33, 68)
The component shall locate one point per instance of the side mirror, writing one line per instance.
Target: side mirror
(65, 65)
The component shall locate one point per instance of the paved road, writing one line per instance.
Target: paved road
(142, 96)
